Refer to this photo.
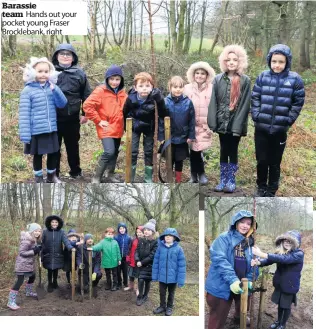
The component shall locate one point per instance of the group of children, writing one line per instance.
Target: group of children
(232, 258)
(206, 105)
(142, 257)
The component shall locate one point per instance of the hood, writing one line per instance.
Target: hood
(281, 49)
(65, 46)
(50, 218)
(170, 231)
(241, 54)
(200, 65)
(238, 216)
(293, 236)
(72, 232)
(114, 70)
(26, 236)
(121, 225)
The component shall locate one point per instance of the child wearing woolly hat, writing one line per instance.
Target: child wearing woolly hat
(144, 258)
(25, 263)
(228, 111)
(38, 118)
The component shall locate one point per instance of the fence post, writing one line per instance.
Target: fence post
(128, 155)
(90, 273)
(168, 154)
(73, 273)
(243, 304)
(262, 297)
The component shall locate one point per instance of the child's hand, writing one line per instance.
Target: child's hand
(180, 285)
(51, 86)
(189, 141)
(256, 251)
(139, 264)
(73, 249)
(79, 243)
(83, 120)
(89, 249)
(255, 262)
(119, 262)
(94, 276)
(103, 124)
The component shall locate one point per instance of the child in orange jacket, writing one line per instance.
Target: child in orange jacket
(105, 108)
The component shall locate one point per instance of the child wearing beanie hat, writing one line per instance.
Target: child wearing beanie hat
(38, 119)
(74, 240)
(144, 258)
(25, 263)
(105, 108)
(83, 257)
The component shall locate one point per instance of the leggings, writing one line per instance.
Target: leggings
(229, 148)
(51, 161)
(283, 315)
(20, 281)
(52, 275)
(141, 284)
(178, 165)
(196, 162)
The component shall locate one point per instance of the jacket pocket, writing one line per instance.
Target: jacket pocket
(74, 107)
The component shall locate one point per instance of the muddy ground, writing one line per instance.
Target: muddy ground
(302, 315)
(117, 303)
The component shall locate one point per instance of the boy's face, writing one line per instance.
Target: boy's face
(65, 57)
(232, 62)
(89, 242)
(42, 72)
(109, 235)
(37, 233)
(200, 76)
(143, 88)
(278, 63)
(176, 90)
(114, 81)
(122, 230)
(54, 224)
(169, 238)
(72, 238)
(148, 232)
(139, 233)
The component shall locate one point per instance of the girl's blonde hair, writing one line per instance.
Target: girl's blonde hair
(39, 239)
(176, 81)
(280, 248)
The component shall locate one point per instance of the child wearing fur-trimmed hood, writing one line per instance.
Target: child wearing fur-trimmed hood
(286, 280)
(38, 118)
(199, 89)
(25, 263)
(228, 111)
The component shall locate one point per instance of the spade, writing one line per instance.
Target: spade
(41, 292)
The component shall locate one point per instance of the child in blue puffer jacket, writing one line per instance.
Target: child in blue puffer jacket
(169, 268)
(37, 116)
(124, 241)
(276, 101)
(286, 280)
(182, 116)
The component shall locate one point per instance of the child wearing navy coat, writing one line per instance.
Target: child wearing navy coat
(169, 268)
(182, 116)
(286, 280)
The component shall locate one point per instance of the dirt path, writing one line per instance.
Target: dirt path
(120, 302)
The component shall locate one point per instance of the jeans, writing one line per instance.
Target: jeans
(111, 151)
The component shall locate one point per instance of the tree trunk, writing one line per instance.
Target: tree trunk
(65, 208)
(93, 28)
(172, 221)
(141, 27)
(85, 43)
(202, 28)
(183, 7)
(128, 23)
(187, 37)
(219, 26)
(37, 204)
(12, 45)
(303, 29)
(308, 33)
(22, 202)
(47, 205)
(173, 25)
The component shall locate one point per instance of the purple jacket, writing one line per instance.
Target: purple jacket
(25, 260)
(289, 267)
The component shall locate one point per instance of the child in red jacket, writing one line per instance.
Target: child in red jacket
(133, 270)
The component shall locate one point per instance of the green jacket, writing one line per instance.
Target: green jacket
(110, 252)
(220, 119)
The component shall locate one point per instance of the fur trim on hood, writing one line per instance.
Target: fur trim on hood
(293, 236)
(200, 65)
(27, 236)
(50, 218)
(29, 73)
(241, 54)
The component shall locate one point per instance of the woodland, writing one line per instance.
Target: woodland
(164, 38)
